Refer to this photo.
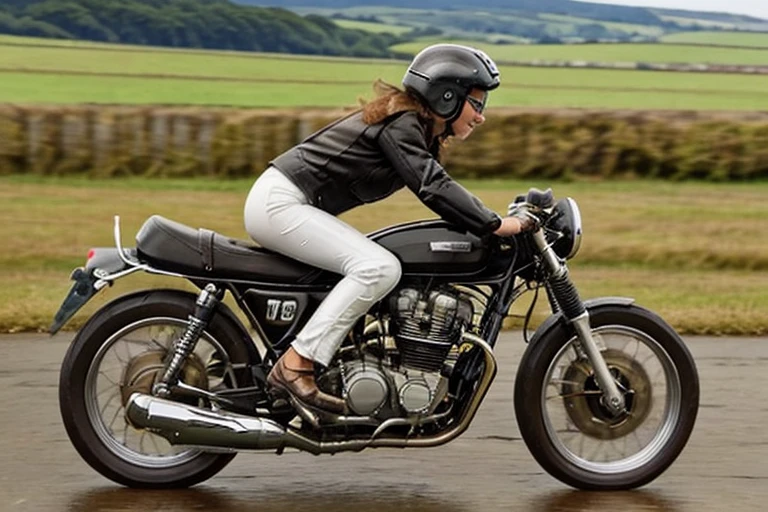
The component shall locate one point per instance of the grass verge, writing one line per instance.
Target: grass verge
(695, 253)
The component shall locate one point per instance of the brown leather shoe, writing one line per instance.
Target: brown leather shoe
(300, 384)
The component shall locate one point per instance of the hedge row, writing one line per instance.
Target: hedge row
(151, 141)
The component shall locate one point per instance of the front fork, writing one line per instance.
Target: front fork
(567, 299)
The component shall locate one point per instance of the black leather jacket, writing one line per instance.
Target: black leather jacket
(349, 163)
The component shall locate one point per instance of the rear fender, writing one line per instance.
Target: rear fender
(107, 260)
(173, 294)
(104, 266)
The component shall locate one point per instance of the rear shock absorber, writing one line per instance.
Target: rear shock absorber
(206, 303)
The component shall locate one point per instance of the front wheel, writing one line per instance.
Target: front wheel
(564, 422)
(121, 350)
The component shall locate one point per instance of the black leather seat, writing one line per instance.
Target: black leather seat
(174, 247)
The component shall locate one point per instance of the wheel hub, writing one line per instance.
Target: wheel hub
(583, 399)
(142, 371)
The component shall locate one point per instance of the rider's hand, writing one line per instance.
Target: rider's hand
(510, 226)
(522, 212)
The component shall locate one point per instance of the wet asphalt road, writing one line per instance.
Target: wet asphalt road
(723, 468)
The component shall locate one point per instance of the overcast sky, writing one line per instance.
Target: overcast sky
(758, 8)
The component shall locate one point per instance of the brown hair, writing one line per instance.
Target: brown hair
(391, 100)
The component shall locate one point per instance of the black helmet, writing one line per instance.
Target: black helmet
(444, 74)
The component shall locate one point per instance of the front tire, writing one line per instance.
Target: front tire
(573, 436)
(119, 351)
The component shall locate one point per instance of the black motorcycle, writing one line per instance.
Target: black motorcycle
(160, 388)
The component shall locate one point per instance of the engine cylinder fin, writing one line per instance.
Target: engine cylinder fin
(421, 354)
(426, 325)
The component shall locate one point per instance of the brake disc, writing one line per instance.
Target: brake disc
(583, 399)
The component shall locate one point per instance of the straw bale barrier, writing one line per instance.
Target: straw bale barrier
(104, 141)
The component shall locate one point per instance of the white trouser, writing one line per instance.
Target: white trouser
(279, 218)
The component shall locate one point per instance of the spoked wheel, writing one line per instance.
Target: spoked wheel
(565, 422)
(131, 361)
(122, 351)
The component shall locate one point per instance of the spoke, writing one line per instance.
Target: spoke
(626, 344)
(567, 438)
(151, 343)
(111, 370)
(582, 393)
(114, 418)
(125, 434)
(116, 354)
(616, 449)
(156, 343)
(135, 341)
(644, 361)
(106, 389)
(598, 445)
(154, 442)
(127, 348)
(109, 401)
(570, 356)
(570, 428)
(563, 381)
(101, 372)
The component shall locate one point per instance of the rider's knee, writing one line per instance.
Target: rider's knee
(380, 273)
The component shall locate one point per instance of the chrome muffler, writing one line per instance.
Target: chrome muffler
(189, 425)
(183, 424)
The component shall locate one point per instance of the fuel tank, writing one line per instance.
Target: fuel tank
(434, 247)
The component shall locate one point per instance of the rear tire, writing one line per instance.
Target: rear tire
(555, 405)
(97, 440)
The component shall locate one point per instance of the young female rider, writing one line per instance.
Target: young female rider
(393, 141)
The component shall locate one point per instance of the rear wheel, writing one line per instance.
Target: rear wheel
(121, 351)
(560, 409)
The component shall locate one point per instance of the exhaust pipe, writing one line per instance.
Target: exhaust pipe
(188, 425)
(183, 424)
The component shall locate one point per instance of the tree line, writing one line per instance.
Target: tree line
(212, 24)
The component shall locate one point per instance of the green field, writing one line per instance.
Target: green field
(643, 30)
(757, 40)
(696, 253)
(525, 87)
(233, 65)
(607, 52)
(30, 73)
(698, 22)
(368, 26)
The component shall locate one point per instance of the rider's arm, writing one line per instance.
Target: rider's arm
(403, 142)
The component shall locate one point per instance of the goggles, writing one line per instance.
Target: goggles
(477, 104)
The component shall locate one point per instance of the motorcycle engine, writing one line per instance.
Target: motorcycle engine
(426, 326)
(374, 390)
(407, 381)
